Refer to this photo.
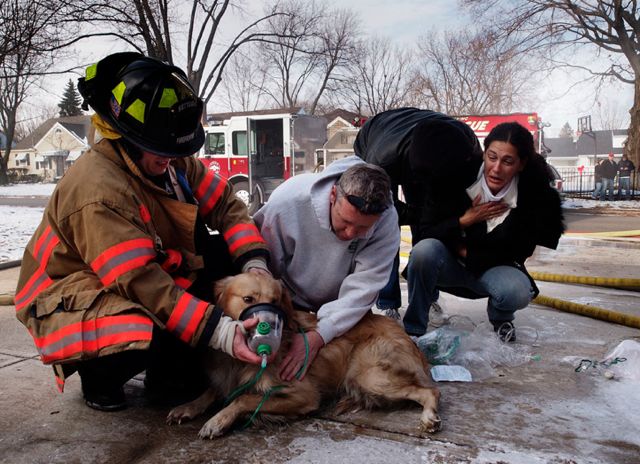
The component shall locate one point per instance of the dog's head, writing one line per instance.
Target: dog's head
(236, 293)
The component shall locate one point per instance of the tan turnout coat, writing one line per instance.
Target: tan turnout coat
(91, 283)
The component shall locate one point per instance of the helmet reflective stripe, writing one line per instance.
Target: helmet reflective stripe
(118, 92)
(91, 71)
(136, 109)
(169, 98)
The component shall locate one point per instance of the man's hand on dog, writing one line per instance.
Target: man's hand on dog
(294, 360)
(241, 350)
(260, 271)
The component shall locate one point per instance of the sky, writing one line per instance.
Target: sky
(405, 21)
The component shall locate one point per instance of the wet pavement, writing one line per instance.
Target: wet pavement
(541, 411)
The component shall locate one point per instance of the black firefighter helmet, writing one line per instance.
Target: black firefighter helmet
(148, 102)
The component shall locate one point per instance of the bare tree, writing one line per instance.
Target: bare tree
(315, 49)
(243, 87)
(338, 45)
(608, 115)
(611, 26)
(469, 73)
(378, 80)
(153, 27)
(30, 35)
(292, 58)
(31, 117)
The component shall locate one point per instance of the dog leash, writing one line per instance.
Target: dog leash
(243, 388)
(306, 355)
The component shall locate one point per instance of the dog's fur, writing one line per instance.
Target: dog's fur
(373, 363)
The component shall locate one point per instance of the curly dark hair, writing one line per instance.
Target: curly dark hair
(522, 140)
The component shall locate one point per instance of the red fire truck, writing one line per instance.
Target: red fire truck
(482, 124)
(257, 151)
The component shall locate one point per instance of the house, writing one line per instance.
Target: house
(51, 148)
(586, 149)
(342, 130)
(575, 160)
(340, 119)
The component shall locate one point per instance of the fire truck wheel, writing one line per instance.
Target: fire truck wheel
(241, 189)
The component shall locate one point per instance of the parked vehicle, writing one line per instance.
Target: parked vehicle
(258, 151)
(557, 181)
(482, 124)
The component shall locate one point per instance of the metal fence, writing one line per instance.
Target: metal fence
(580, 183)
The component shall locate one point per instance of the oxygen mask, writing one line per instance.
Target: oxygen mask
(264, 339)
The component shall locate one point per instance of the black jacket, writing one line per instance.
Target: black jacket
(625, 168)
(609, 169)
(385, 140)
(536, 220)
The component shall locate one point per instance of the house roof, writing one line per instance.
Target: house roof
(348, 116)
(560, 146)
(78, 125)
(587, 145)
(602, 143)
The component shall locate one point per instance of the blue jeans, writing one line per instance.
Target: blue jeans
(390, 296)
(623, 184)
(607, 184)
(597, 190)
(432, 267)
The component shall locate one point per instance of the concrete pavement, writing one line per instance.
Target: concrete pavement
(538, 412)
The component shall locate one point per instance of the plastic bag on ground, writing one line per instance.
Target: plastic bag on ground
(479, 350)
(624, 360)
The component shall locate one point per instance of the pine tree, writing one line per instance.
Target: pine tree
(566, 131)
(71, 100)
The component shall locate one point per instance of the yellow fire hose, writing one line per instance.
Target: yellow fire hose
(587, 280)
(6, 300)
(591, 311)
(584, 310)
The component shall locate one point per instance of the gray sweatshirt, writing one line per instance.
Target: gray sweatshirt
(338, 279)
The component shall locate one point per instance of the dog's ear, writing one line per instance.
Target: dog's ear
(219, 287)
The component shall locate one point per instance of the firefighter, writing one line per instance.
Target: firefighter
(117, 277)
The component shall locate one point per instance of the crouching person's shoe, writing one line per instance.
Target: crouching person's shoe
(392, 313)
(506, 331)
(104, 399)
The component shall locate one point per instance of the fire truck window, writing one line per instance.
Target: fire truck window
(239, 141)
(215, 144)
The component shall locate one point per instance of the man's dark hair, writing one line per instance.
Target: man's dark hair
(367, 187)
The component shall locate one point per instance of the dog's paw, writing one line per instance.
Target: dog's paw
(182, 414)
(431, 425)
(212, 429)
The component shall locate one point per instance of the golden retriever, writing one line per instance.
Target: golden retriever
(373, 363)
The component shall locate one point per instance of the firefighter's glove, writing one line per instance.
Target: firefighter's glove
(223, 335)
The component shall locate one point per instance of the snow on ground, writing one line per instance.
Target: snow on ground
(26, 190)
(17, 224)
(577, 203)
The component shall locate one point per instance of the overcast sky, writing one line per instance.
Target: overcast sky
(405, 21)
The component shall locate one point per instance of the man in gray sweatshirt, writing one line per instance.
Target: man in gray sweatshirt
(333, 237)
